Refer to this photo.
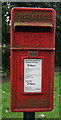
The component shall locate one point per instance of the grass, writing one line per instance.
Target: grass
(6, 113)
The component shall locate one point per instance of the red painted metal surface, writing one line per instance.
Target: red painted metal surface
(32, 30)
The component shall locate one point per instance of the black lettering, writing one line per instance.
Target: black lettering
(30, 65)
(32, 83)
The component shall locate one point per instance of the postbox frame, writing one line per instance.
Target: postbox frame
(14, 50)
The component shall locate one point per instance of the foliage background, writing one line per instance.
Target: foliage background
(6, 7)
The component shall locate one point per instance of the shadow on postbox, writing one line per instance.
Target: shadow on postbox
(32, 49)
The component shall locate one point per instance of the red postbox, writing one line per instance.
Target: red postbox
(32, 47)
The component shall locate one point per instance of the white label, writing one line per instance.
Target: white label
(32, 75)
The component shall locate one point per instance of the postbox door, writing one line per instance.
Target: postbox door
(24, 99)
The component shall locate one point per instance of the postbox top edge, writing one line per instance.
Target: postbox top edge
(32, 8)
